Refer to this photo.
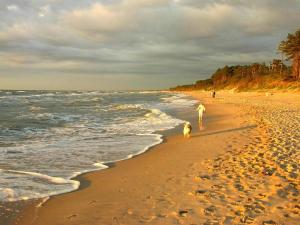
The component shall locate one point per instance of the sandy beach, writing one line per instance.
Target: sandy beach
(242, 167)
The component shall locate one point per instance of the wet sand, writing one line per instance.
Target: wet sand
(242, 168)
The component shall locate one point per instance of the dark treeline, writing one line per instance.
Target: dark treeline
(257, 75)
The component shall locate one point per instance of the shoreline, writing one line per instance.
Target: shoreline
(174, 182)
(34, 204)
(86, 177)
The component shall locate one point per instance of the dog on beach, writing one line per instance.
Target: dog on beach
(187, 130)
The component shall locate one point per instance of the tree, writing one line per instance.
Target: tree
(276, 65)
(291, 48)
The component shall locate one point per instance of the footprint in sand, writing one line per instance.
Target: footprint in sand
(183, 213)
(249, 179)
(71, 216)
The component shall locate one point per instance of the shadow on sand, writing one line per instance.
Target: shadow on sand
(225, 131)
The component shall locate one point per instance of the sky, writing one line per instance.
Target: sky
(135, 44)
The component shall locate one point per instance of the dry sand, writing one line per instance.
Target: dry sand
(243, 168)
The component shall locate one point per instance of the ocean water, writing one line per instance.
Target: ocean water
(49, 137)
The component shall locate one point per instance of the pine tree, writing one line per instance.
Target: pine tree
(291, 48)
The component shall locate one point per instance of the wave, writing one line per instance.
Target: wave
(50, 117)
(127, 106)
(9, 194)
(179, 101)
(54, 180)
(35, 108)
(158, 139)
(100, 165)
(59, 141)
(9, 95)
(154, 120)
(148, 92)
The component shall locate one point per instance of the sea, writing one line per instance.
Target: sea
(49, 137)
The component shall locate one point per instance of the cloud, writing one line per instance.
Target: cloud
(96, 19)
(206, 21)
(16, 32)
(44, 11)
(13, 8)
(101, 19)
(166, 39)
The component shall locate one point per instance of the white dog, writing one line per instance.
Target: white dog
(187, 130)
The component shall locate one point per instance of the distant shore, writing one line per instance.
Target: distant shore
(226, 173)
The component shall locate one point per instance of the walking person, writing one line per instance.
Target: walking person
(201, 110)
(213, 94)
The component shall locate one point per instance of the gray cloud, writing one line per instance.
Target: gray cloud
(164, 40)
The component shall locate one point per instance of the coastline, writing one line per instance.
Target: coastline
(164, 184)
(87, 177)
(34, 204)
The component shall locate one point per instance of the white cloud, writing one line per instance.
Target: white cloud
(17, 32)
(206, 21)
(44, 11)
(144, 3)
(97, 18)
(13, 8)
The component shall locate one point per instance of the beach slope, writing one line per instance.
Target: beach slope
(241, 168)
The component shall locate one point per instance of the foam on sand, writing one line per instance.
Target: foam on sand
(9, 194)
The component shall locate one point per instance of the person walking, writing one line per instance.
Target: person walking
(201, 110)
(213, 94)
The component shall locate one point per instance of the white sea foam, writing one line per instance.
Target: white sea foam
(149, 92)
(158, 140)
(100, 165)
(8, 194)
(42, 202)
(36, 95)
(96, 99)
(73, 94)
(127, 106)
(35, 108)
(179, 101)
(155, 120)
(55, 180)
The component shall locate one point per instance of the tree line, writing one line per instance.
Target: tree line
(257, 75)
